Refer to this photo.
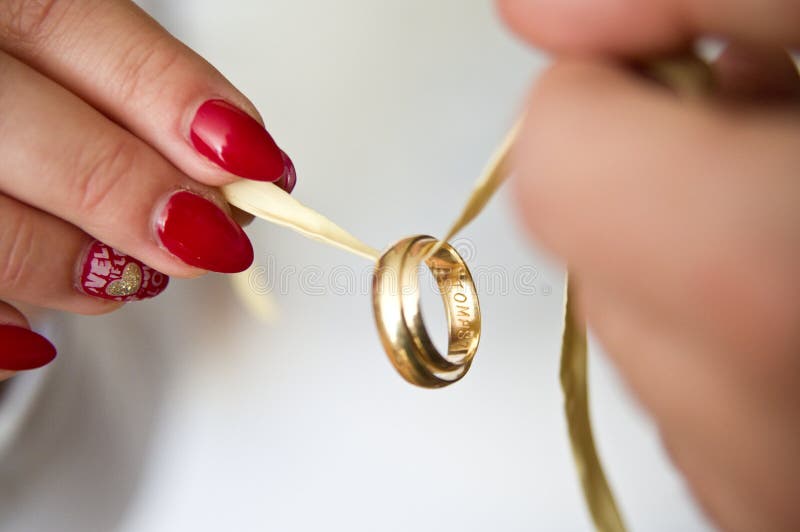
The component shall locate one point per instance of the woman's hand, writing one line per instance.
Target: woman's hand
(681, 224)
(113, 136)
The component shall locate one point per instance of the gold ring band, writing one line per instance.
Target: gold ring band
(395, 300)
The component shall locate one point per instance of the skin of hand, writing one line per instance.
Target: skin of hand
(114, 138)
(680, 221)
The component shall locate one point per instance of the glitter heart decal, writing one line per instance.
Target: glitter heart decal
(110, 274)
(129, 284)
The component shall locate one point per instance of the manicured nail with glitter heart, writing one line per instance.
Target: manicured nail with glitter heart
(110, 274)
(201, 234)
(237, 143)
(21, 349)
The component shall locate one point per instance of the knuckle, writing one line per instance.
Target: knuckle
(100, 171)
(138, 69)
(28, 21)
(16, 251)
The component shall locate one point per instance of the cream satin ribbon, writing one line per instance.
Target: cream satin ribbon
(269, 202)
(687, 76)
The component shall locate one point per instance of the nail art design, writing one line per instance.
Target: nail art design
(201, 234)
(110, 274)
(128, 284)
(236, 142)
(21, 349)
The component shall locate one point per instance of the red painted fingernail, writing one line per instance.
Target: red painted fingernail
(200, 234)
(235, 141)
(110, 274)
(289, 178)
(22, 349)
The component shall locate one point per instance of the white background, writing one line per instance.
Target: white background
(186, 414)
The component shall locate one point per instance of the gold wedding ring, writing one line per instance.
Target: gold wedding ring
(395, 300)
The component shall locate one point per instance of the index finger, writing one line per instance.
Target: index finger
(635, 28)
(683, 207)
(118, 59)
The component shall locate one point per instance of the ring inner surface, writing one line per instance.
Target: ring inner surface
(460, 301)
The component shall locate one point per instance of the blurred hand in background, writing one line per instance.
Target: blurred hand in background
(681, 223)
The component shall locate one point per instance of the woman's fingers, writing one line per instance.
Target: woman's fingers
(633, 27)
(726, 428)
(123, 63)
(20, 348)
(49, 263)
(624, 181)
(63, 157)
